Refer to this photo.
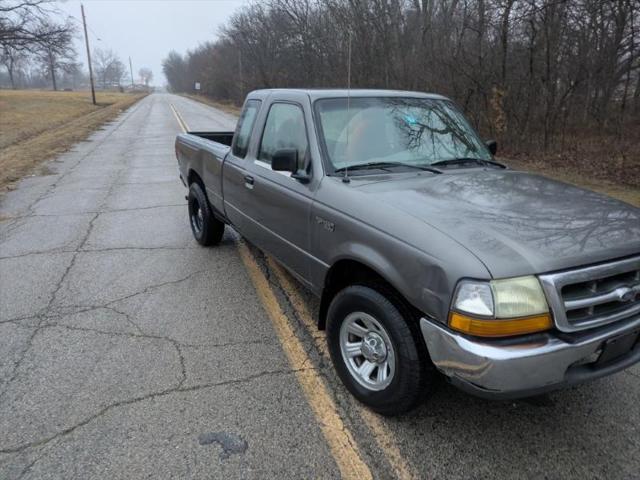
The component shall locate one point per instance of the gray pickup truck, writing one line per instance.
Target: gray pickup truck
(427, 254)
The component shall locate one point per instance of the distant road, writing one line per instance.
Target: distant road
(128, 351)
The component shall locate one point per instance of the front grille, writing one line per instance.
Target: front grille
(593, 296)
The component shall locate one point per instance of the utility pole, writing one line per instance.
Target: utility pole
(131, 70)
(86, 40)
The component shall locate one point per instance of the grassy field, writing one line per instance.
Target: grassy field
(37, 125)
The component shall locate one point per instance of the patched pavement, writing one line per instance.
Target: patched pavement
(128, 351)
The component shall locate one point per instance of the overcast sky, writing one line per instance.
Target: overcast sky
(147, 30)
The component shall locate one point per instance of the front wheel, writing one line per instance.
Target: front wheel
(206, 228)
(375, 352)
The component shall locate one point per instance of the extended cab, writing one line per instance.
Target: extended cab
(427, 254)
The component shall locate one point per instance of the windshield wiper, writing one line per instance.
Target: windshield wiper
(383, 165)
(463, 160)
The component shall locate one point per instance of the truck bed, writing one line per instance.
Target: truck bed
(225, 138)
(203, 154)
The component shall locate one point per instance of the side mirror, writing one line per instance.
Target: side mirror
(285, 161)
(492, 145)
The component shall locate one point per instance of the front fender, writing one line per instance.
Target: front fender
(420, 280)
(421, 262)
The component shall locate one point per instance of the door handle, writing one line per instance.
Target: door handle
(248, 181)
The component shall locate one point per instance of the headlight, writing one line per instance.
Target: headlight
(498, 308)
(518, 297)
(475, 298)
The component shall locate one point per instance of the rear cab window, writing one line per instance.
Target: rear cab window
(245, 126)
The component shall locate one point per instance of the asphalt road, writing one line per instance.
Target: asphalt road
(128, 351)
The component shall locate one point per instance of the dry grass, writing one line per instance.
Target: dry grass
(227, 106)
(37, 125)
(604, 160)
(611, 153)
(625, 192)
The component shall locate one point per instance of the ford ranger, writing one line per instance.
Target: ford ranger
(427, 254)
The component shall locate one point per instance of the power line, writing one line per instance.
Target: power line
(88, 27)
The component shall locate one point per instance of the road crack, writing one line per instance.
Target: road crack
(149, 396)
(134, 336)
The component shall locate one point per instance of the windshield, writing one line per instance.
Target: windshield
(414, 131)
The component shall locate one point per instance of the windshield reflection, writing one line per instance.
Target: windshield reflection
(416, 131)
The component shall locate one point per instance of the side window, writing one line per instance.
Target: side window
(284, 128)
(245, 125)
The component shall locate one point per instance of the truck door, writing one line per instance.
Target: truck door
(235, 176)
(280, 206)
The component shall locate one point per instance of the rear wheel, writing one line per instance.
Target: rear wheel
(376, 353)
(207, 229)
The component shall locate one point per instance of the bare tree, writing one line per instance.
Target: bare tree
(12, 60)
(109, 68)
(29, 31)
(146, 75)
(21, 23)
(118, 71)
(55, 52)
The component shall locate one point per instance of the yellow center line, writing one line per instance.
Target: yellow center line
(183, 125)
(383, 436)
(339, 439)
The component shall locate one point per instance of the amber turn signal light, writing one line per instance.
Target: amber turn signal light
(482, 327)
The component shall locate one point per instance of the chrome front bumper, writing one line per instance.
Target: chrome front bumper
(514, 368)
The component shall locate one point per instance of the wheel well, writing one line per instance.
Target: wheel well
(349, 272)
(194, 177)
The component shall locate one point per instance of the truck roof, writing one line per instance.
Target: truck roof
(317, 93)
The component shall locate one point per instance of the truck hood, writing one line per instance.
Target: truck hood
(516, 223)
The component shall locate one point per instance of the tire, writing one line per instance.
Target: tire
(206, 229)
(406, 365)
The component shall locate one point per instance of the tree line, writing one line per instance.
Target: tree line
(37, 51)
(526, 71)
